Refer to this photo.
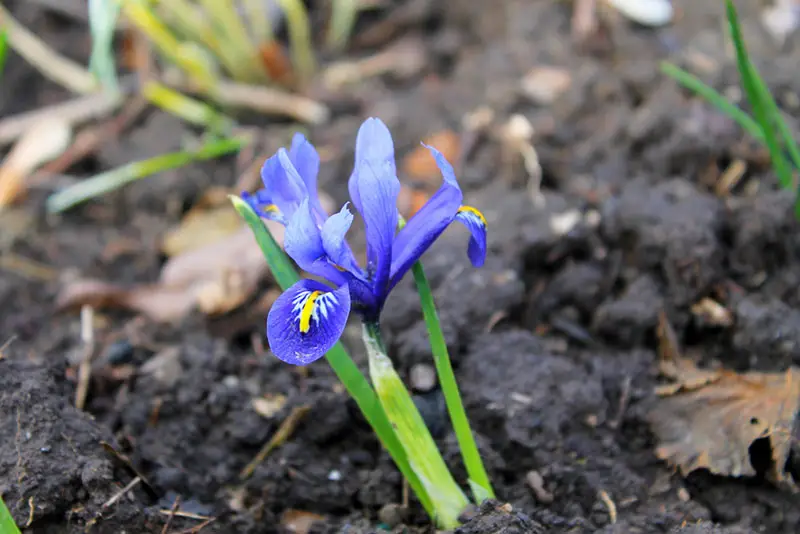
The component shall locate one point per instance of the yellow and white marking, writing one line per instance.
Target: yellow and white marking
(312, 305)
(469, 212)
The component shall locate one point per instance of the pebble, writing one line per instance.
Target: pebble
(645, 12)
(422, 377)
(392, 515)
(335, 475)
(544, 84)
(536, 483)
(120, 352)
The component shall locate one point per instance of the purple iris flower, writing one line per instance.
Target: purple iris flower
(309, 317)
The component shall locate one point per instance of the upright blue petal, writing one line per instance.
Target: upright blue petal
(374, 188)
(282, 183)
(306, 321)
(305, 159)
(476, 224)
(333, 238)
(428, 223)
(303, 243)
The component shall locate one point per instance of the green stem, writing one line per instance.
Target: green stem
(338, 358)
(478, 479)
(7, 525)
(448, 501)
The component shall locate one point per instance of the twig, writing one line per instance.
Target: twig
(7, 343)
(79, 110)
(31, 509)
(271, 101)
(198, 528)
(27, 268)
(85, 369)
(624, 396)
(612, 508)
(172, 511)
(187, 515)
(52, 65)
(117, 496)
(280, 436)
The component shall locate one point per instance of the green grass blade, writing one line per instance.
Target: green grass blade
(7, 524)
(116, 178)
(346, 370)
(761, 110)
(714, 98)
(447, 380)
(3, 50)
(299, 37)
(187, 108)
(343, 18)
(103, 15)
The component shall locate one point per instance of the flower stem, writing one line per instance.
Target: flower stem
(478, 479)
(426, 460)
(346, 370)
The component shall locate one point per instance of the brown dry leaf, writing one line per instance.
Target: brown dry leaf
(710, 418)
(299, 521)
(200, 227)
(419, 165)
(276, 62)
(684, 373)
(45, 140)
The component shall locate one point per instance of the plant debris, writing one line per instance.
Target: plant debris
(709, 419)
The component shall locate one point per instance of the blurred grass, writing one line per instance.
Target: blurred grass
(3, 50)
(767, 124)
(103, 15)
(7, 525)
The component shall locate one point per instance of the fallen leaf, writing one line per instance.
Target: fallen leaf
(712, 312)
(45, 140)
(276, 63)
(299, 521)
(709, 419)
(419, 164)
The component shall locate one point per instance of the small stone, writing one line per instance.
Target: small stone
(231, 382)
(335, 475)
(645, 12)
(392, 515)
(120, 352)
(422, 377)
(683, 495)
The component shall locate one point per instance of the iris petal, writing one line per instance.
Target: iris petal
(374, 188)
(282, 183)
(428, 223)
(305, 159)
(262, 204)
(333, 237)
(476, 224)
(303, 243)
(306, 321)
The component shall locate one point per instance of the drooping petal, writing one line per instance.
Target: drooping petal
(306, 321)
(476, 224)
(282, 183)
(262, 204)
(428, 223)
(303, 243)
(305, 159)
(374, 188)
(333, 238)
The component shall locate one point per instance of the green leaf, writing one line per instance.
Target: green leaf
(103, 16)
(755, 91)
(7, 524)
(338, 358)
(3, 50)
(447, 380)
(447, 500)
(116, 178)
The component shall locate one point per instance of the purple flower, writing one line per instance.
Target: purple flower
(309, 317)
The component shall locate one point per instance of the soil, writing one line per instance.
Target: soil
(553, 340)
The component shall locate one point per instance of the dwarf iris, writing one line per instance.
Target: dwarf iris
(309, 317)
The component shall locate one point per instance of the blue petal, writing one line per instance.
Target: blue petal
(476, 224)
(305, 159)
(303, 243)
(262, 204)
(428, 223)
(282, 183)
(333, 238)
(306, 321)
(374, 188)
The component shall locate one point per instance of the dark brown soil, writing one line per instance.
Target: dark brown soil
(546, 339)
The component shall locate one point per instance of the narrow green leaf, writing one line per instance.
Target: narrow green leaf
(187, 108)
(299, 37)
(343, 18)
(447, 380)
(103, 16)
(714, 98)
(749, 77)
(340, 361)
(447, 500)
(116, 178)
(3, 50)
(7, 524)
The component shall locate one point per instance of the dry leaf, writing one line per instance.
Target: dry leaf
(200, 227)
(276, 62)
(710, 418)
(544, 84)
(299, 521)
(45, 140)
(419, 163)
